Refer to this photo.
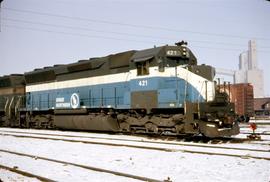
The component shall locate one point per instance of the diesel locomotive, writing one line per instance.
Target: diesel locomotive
(161, 90)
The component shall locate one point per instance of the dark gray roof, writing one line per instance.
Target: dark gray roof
(147, 53)
(11, 80)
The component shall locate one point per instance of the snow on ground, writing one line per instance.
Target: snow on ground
(136, 140)
(155, 164)
(7, 176)
(56, 171)
(178, 165)
(266, 121)
(262, 127)
(192, 146)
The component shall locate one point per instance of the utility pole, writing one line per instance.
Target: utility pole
(0, 14)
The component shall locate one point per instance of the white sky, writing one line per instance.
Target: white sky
(36, 33)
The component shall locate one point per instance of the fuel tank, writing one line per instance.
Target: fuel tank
(87, 122)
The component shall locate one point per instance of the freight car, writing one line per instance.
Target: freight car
(159, 90)
(12, 93)
(242, 96)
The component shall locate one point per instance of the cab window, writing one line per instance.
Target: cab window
(142, 68)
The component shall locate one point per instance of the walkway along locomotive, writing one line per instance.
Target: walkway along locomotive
(160, 90)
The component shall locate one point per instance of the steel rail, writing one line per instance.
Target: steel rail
(153, 148)
(256, 133)
(27, 174)
(133, 140)
(92, 168)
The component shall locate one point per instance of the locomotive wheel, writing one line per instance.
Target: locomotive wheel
(150, 127)
(28, 120)
(124, 126)
(3, 121)
(179, 128)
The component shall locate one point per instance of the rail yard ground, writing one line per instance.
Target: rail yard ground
(40, 155)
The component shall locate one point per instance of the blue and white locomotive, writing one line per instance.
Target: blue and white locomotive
(159, 90)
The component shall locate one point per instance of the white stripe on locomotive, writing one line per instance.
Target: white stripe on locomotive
(195, 80)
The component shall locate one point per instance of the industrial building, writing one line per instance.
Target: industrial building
(247, 90)
(262, 107)
(249, 71)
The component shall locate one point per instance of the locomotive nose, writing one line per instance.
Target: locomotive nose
(212, 130)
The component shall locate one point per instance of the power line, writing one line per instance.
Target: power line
(118, 33)
(113, 38)
(133, 25)
(0, 13)
(76, 34)
(102, 31)
(81, 28)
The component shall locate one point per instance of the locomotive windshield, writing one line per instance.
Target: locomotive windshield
(176, 56)
(175, 61)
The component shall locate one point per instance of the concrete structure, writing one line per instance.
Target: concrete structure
(252, 55)
(243, 61)
(227, 75)
(249, 71)
(240, 76)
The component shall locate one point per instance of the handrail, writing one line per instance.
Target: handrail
(6, 105)
(9, 108)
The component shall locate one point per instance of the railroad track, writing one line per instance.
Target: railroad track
(143, 138)
(91, 168)
(257, 123)
(149, 145)
(137, 140)
(26, 174)
(262, 125)
(260, 133)
(189, 139)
